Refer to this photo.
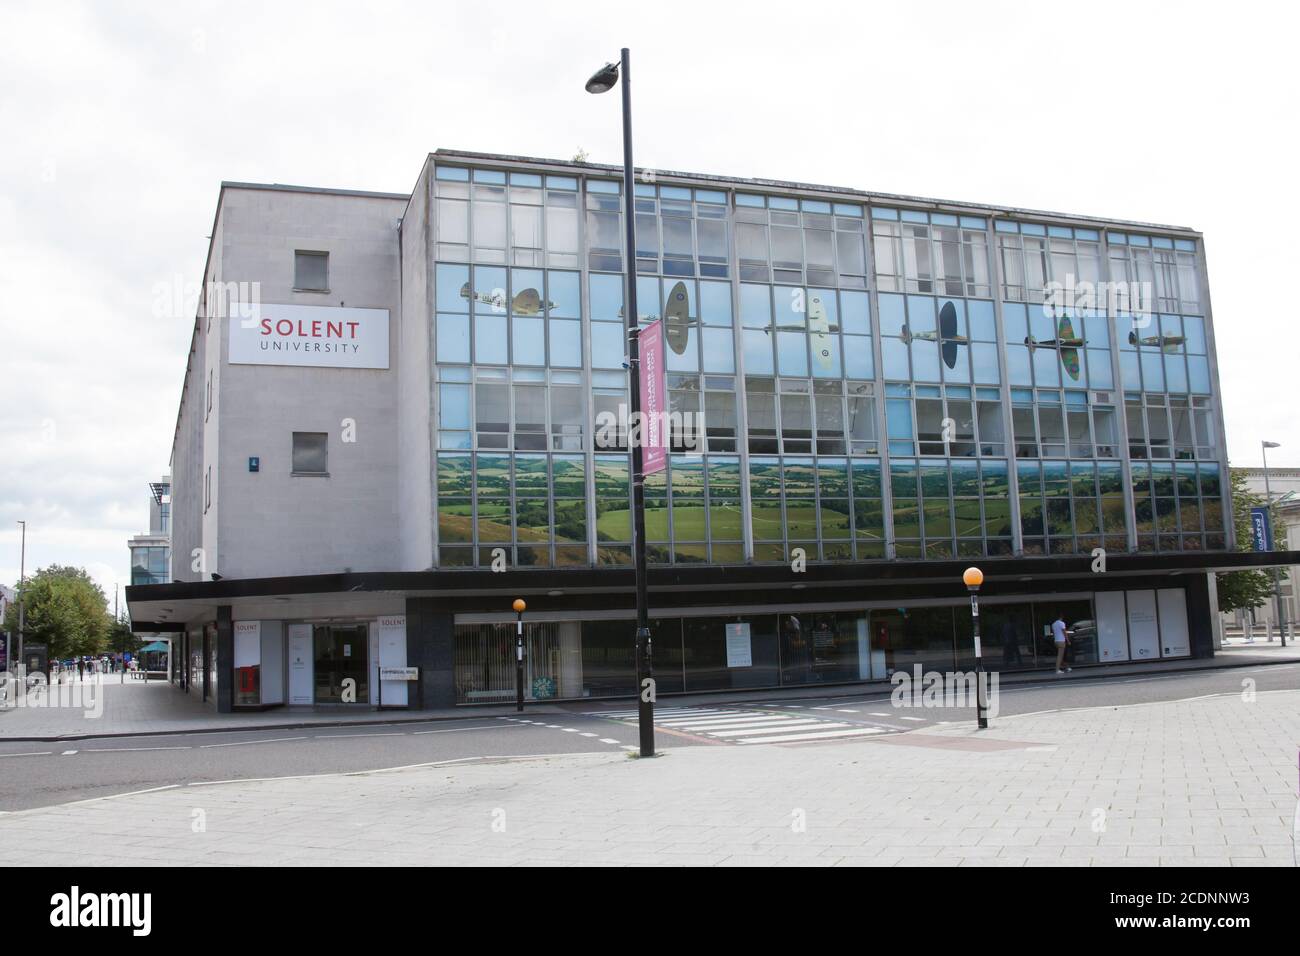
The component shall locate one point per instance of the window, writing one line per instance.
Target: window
(311, 271)
(309, 453)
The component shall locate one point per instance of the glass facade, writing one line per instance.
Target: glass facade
(150, 565)
(846, 381)
(595, 658)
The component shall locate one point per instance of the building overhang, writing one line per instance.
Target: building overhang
(168, 607)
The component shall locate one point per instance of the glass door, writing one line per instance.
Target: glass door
(342, 658)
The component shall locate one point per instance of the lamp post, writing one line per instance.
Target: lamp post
(520, 606)
(602, 81)
(973, 578)
(22, 611)
(1279, 610)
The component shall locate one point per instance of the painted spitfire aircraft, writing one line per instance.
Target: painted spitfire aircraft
(1068, 343)
(1167, 343)
(526, 302)
(820, 329)
(947, 336)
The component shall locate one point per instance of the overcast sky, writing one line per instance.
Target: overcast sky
(119, 121)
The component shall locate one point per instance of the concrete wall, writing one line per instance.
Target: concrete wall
(414, 479)
(272, 522)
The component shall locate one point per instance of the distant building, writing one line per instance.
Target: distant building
(1285, 485)
(151, 551)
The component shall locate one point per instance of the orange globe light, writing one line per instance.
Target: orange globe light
(973, 577)
(519, 606)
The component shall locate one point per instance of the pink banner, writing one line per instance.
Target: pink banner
(654, 412)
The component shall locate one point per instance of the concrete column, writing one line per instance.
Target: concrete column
(430, 646)
(225, 660)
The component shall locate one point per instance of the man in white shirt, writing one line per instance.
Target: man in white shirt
(1060, 635)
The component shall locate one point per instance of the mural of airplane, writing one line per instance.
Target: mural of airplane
(1167, 343)
(947, 336)
(526, 302)
(1066, 341)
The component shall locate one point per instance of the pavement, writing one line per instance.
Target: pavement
(137, 708)
(1207, 781)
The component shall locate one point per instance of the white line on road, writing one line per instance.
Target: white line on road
(122, 750)
(456, 730)
(340, 736)
(67, 753)
(801, 726)
(37, 753)
(248, 743)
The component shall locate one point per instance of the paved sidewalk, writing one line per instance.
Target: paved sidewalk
(1203, 782)
(139, 708)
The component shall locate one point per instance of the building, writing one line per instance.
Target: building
(1284, 483)
(402, 411)
(151, 551)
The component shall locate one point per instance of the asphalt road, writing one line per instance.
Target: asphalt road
(43, 774)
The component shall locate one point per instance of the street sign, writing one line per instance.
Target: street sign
(399, 673)
(1261, 529)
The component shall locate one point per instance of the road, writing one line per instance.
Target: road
(43, 774)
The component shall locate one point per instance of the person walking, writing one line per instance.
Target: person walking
(1061, 637)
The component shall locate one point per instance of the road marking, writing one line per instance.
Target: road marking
(912, 718)
(586, 734)
(798, 725)
(123, 750)
(339, 736)
(37, 753)
(848, 711)
(608, 740)
(822, 735)
(457, 730)
(570, 730)
(876, 714)
(249, 743)
(67, 753)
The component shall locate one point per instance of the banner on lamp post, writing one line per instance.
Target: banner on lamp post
(654, 454)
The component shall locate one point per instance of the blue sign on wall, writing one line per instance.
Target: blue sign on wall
(1261, 529)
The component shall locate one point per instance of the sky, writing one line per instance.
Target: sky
(120, 120)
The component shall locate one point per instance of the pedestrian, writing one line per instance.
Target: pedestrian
(81, 669)
(1010, 644)
(1061, 637)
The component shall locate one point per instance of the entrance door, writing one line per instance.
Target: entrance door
(342, 657)
(301, 655)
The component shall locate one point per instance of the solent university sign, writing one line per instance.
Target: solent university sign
(314, 335)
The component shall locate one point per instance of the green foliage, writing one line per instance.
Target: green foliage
(1245, 589)
(65, 610)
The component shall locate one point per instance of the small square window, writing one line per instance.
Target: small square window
(309, 456)
(311, 271)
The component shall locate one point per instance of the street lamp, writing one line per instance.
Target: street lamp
(21, 671)
(520, 606)
(602, 81)
(973, 578)
(1278, 610)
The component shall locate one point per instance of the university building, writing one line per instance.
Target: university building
(402, 411)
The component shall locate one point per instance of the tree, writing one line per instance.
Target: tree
(121, 640)
(65, 610)
(1244, 589)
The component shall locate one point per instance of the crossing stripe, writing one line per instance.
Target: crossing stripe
(797, 726)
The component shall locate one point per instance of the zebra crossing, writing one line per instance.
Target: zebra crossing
(748, 726)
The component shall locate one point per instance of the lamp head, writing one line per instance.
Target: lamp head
(973, 578)
(603, 80)
(520, 606)
(1270, 444)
